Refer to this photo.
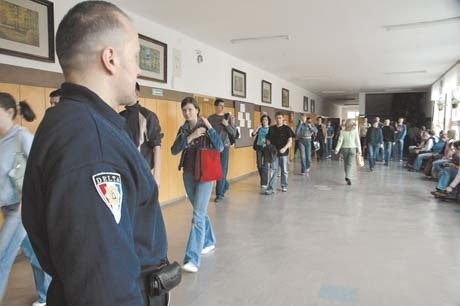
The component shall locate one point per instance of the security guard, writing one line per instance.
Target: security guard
(90, 204)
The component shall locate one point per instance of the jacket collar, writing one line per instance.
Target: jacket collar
(84, 95)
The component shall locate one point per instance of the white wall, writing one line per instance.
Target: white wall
(450, 82)
(212, 77)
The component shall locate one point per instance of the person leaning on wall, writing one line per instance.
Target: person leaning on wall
(144, 129)
(55, 96)
(90, 204)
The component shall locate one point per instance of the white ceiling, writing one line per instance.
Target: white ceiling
(341, 42)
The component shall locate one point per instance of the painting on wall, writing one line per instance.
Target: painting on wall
(238, 83)
(305, 104)
(153, 59)
(266, 92)
(312, 105)
(284, 97)
(27, 29)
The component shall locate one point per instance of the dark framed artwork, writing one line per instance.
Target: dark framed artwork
(238, 83)
(27, 29)
(284, 97)
(266, 92)
(312, 105)
(153, 59)
(305, 104)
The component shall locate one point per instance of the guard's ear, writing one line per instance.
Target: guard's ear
(109, 60)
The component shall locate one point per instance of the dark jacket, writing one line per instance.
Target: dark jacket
(147, 124)
(90, 204)
(374, 136)
(189, 150)
(388, 133)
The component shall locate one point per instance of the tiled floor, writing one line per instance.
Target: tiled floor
(382, 241)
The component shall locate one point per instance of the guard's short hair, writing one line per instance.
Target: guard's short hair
(56, 93)
(279, 113)
(84, 25)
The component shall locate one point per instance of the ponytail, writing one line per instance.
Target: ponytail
(26, 111)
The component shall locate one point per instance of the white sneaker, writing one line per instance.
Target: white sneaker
(37, 303)
(208, 249)
(190, 267)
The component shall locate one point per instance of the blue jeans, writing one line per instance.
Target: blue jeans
(419, 160)
(447, 175)
(387, 146)
(305, 154)
(12, 236)
(262, 167)
(373, 151)
(328, 147)
(399, 149)
(201, 234)
(222, 185)
(438, 166)
(283, 163)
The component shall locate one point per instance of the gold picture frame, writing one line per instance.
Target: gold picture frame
(27, 29)
(153, 59)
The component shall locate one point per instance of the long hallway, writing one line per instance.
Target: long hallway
(382, 241)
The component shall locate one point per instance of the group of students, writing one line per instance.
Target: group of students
(438, 157)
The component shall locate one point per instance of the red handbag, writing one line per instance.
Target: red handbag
(207, 164)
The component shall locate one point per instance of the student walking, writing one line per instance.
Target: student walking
(350, 145)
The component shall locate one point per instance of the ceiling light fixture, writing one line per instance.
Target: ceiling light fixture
(420, 24)
(333, 91)
(259, 38)
(315, 77)
(405, 72)
(400, 89)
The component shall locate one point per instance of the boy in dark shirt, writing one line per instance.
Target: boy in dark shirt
(281, 136)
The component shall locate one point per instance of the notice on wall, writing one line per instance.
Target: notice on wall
(242, 107)
(242, 123)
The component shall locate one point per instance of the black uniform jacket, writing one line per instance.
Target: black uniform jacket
(90, 204)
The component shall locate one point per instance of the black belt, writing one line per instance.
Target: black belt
(155, 283)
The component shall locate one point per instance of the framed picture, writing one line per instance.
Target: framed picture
(305, 104)
(312, 105)
(153, 59)
(238, 83)
(284, 97)
(266, 92)
(27, 29)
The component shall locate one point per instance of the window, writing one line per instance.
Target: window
(352, 115)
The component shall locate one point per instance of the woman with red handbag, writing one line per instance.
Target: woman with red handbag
(200, 146)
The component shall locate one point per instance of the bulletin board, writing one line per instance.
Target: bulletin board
(244, 116)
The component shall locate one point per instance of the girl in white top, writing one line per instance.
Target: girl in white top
(350, 145)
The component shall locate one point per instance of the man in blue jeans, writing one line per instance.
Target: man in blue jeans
(281, 136)
(400, 135)
(223, 123)
(305, 131)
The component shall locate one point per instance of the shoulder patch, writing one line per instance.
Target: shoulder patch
(109, 188)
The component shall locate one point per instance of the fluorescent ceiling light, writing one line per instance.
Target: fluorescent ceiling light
(315, 77)
(333, 91)
(259, 38)
(405, 72)
(401, 89)
(420, 24)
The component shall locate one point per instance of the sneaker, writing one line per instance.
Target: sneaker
(218, 199)
(37, 303)
(284, 189)
(308, 169)
(348, 181)
(263, 187)
(190, 267)
(208, 249)
(302, 174)
(269, 192)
